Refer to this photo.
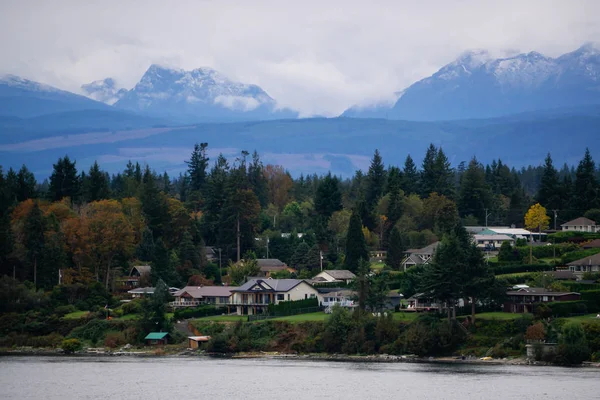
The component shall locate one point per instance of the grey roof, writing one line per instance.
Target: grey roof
(563, 275)
(329, 290)
(141, 269)
(592, 245)
(581, 221)
(414, 258)
(425, 250)
(537, 291)
(270, 285)
(270, 262)
(271, 268)
(340, 274)
(591, 260)
(198, 292)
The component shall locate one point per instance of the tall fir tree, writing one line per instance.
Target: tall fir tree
(328, 198)
(64, 181)
(356, 247)
(586, 194)
(26, 185)
(376, 178)
(548, 194)
(395, 250)
(96, 184)
(215, 200)
(410, 181)
(474, 194)
(197, 166)
(154, 205)
(34, 239)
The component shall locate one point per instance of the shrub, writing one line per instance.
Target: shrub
(93, 331)
(70, 346)
(219, 344)
(573, 348)
(567, 308)
(64, 310)
(536, 332)
(133, 307)
(199, 312)
(592, 297)
(288, 307)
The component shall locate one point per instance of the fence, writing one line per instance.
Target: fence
(296, 311)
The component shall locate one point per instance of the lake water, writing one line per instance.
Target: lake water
(204, 378)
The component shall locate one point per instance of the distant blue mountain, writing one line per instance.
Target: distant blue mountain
(478, 86)
(24, 98)
(318, 145)
(202, 94)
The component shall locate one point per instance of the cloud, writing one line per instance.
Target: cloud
(237, 102)
(314, 56)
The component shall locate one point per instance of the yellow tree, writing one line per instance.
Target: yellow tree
(536, 218)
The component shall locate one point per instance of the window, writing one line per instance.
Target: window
(545, 298)
(312, 296)
(280, 297)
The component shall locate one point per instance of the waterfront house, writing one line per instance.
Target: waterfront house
(148, 291)
(414, 257)
(156, 338)
(254, 296)
(334, 276)
(329, 297)
(581, 224)
(586, 264)
(270, 265)
(524, 300)
(194, 296)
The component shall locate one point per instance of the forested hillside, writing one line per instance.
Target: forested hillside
(94, 226)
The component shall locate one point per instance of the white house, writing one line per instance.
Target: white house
(254, 296)
(491, 241)
(581, 224)
(337, 296)
(583, 265)
(334, 275)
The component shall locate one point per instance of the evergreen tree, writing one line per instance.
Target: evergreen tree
(188, 252)
(197, 167)
(12, 187)
(375, 181)
(162, 265)
(96, 184)
(215, 200)
(395, 250)
(548, 193)
(586, 189)
(258, 182)
(328, 198)
(356, 248)
(25, 184)
(154, 205)
(146, 249)
(428, 175)
(53, 256)
(34, 238)
(410, 181)
(299, 259)
(474, 194)
(394, 179)
(154, 311)
(64, 181)
(6, 236)
(445, 175)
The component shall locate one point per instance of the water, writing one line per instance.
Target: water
(202, 378)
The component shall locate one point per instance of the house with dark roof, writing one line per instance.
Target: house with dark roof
(269, 265)
(254, 296)
(524, 300)
(414, 257)
(586, 264)
(581, 224)
(593, 244)
(333, 275)
(193, 296)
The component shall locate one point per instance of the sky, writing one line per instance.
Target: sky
(318, 57)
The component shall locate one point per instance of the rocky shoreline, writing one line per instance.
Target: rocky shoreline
(375, 358)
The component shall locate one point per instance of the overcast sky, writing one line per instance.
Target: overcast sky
(318, 57)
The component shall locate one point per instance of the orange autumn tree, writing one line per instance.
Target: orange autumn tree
(109, 233)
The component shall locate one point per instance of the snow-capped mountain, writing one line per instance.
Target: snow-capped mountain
(476, 85)
(24, 98)
(202, 94)
(105, 91)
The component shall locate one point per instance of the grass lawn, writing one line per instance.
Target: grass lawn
(406, 316)
(76, 315)
(377, 266)
(585, 318)
(504, 316)
(223, 318)
(316, 316)
(127, 317)
(514, 275)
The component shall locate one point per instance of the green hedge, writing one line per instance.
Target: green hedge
(513, 269)
(568, 308)
(287, 307)
(580, 287)
(199, 312)
(562, 237)
(578, 255)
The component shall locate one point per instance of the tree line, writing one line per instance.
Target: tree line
(93, 226)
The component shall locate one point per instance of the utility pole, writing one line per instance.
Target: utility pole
(267, 247)
(220, 272)
(321, 259)
(238, 239)
(486, 216)
(555, 217)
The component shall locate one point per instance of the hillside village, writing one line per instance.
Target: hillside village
(139, 258)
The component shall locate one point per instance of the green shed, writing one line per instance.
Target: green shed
(156, 338)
